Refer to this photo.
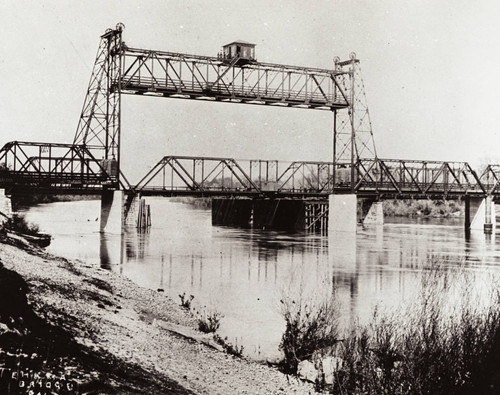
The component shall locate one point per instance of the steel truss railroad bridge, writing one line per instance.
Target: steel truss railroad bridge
(91, 163)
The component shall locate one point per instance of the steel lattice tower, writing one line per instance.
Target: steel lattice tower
(353, 135)
(99, 124)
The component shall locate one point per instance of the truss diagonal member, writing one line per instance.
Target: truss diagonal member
(5, 150)
(435, 178)
(414, 181)
(318, 86)
(221, 75)
(140, 62)
(490, 171)
(340, 89)
(152, 173)
(294, 167)
(69, 159)
(195, 186)
(181, 82)
(455, 177)
(82, 151)
(206, 178)
(366, 173)
(167, 76)
(125, 185)
(257, 83)
(389, 174)
(251, 184)
(468, 170)
(17, 159)
(31, 162)
(193, 74)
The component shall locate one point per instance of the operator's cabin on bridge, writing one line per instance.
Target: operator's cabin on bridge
(240, 51)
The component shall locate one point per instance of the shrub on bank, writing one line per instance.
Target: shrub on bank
(427, 208)
(310, 326)
(446, 342)
(19, 224)
(209, 321)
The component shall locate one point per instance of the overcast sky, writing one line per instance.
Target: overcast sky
(431, 71)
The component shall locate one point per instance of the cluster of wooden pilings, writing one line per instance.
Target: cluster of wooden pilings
(143, 215)
(316, 216)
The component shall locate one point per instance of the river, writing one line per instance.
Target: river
(244, 273)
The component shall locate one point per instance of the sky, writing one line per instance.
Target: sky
(430, 71)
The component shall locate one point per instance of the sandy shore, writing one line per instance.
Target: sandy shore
(106, 334)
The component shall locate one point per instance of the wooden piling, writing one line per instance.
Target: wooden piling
(143, 215)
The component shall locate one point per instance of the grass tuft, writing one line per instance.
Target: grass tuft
(209, 322)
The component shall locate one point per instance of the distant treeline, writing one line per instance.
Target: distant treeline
(204, 203)
(423, 208)
(31, 200)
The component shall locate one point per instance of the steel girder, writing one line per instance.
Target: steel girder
(168, 74)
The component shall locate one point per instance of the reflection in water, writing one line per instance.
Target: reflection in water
(243, 273)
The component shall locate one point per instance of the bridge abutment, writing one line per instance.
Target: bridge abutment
(112, 212)
(5, 206)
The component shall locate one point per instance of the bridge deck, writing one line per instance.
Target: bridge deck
(65, 168)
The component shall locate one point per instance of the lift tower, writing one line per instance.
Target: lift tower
(235, 76)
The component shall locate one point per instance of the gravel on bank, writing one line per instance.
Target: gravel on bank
(108, 327)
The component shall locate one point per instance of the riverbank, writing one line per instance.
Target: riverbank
(424, 208)
(95, 329)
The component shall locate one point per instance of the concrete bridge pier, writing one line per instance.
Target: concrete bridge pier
(112, 212)
(482, 213)
(5, 206)
(342, 213)
(345, 210)
(372, 211)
